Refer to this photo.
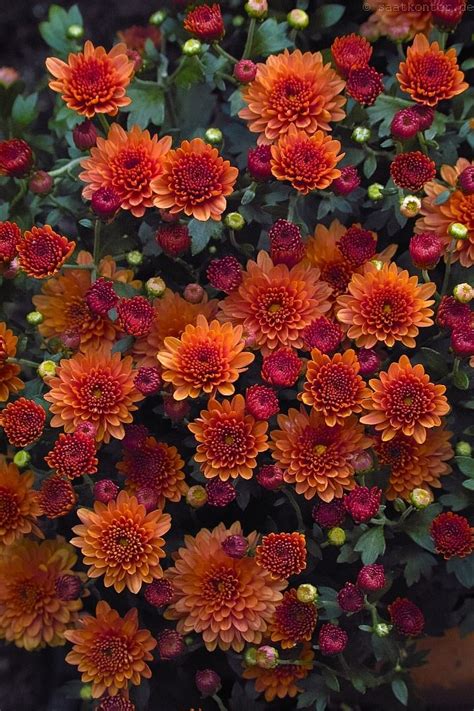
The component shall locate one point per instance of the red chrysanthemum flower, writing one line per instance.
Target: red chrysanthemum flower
(261, 402)
(68, 587)
(57, 496)
(9, 382)
(447, 14)
(333, 386)
(235, 546)
(362, 503)
(453, 314)
(371, 578)
(332, 639)
(404, 399)
(412, 170)
(245, 70)
(466, 180)
(220, 493)
(270, 477)
(229, 440)
(148, 381)
(293, 621)
(85, 135)
(23, 422)
(173, 238)
(364, 84)
(283, 554)
(73, 455)
(369, 361)
(358, 245)
(405, 124)
(462, 342)
(10, 235)
(116, 703)
(195, 180)
(307, 162)
(205, 22)
(323, 334)
(329, 515)
(350, 598)
(105, 490)
(135, 315)
(426, 249)
(106, 201)
(159, 593)
(208, 682)
(128, 162)
(429, 74)
(101, 296)
(42, 252)
(171, 644)
(16, 158)
(286, 245)
(19, 507)
(349, 51)
(281, 368)
(93, 81)
(259, 162)
(225, 274)
(110, 651)
(452, 535)
(347, 182)
(407, 617)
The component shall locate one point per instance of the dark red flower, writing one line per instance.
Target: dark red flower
(446, 14)
(173, 238)
(148, 380)
(364, 84)
(170, 644)
(371, 578)
(358, 245)
(362, 503)
(73, 455)
(208, 682)
(425, 115)
(407, 618)
(323, 334)
(205, 22)
(135, 315)
(332, 639)
(329, 514)
(261, 402)
(462, 341)
(453, 314)
(159, 593)
(220, 493)
(84, 135)
(350, 598)
(286, 245)
(235, 546)
(176, 410)
(16, 158)
(349, 51)
(245, 71)
(105, 490)
(259, 162)
(42, 252)
(452, 535)
(23, 422)
(147, 497)
(68, 587)
(405, 124)
(412, 170)
(369, 361)
(281, 367)
(426, 249)
(10, 235)
(347, 182)
(57, 496)
(225, 274)
(193, 293)
(116, 703)
(135, 436)
(270, 477)
(106, 202)
(466, 180)
(101, 297)
(40, 182)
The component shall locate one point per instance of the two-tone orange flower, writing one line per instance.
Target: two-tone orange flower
(283, 554)
(274, 304)
(307, 162)
(293, 621)
(208, 357)
(282, 681)
(122, 542)
(229, 439)
(293, 88)
(110, 651)
(128, 162)
(32, 615)
(94, 386)
(42, 252)
(405, 400)
(230, 601)
(333, 386)
(314, 457)
(195, 180)
(93, 81)
(385, 305)
(429, 74)
(19, 506)
(9, 382)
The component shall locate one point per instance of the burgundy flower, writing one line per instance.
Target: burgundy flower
(364, 84)
(101, 297)
(446, 14)
(405, 124)
(329, 514)
(407, 618)
(347, 182)
(85, 135)
(281, 367)
(16, 158)
(350, 598)
(205, 22)
(173, 238)
(208, 682)
(369, 361)
(286, 245)
(258, 162)
(220, 493)
(371, 578)
(106, 202)
(412, 170)
(425, 115)
(159, 593)
(148, 380)
(261, 402)
(135, 315)
(235, 546)
(245, 71)
(170, 644)
(68, 587)
(270, 477)
(332, 639)
(466, 180)
(358, 245)
(452, 535)
(225, 274)
(426, 249)
(105, 490)
(323, 334)
(362, 503)
(453, 314)
(462, 341)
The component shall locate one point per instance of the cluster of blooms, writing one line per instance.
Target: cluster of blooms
(299, 367)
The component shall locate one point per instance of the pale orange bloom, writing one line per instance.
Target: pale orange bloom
(293, 621)
(93, 81)
(282, 681)
(19, 505)
(397, 20)
(9, 382)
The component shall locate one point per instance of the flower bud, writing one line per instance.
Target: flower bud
(336, 536)
(208, 682)
(193, 293)
(307, 593)
(148, 380)
(375, 192)
(16, 158)
(426, 249)
(176, 410)
(234, 221)
(363, 462)
(361, 134)
(157, 18)
(40, 183)
(463, 449)
(155, 287)
(466, 180)
(245, 71)
(75, 32)
(378, 264)
(267, 657)
(410, 206)
(250, 657)
(47, 369)
(235, 546)
(105, 202)
(192, 48)
(170, 644)
(84, 135)
(270, 477)
(8, 76)
(382, 629)
(159, 592)
(464, 293)
(196, 496)
(369, 361)
(134, 258)
(257, 9)
(86, 692)
(213, 136)
(238, 20)
(421, 498)
(298, 19)
(34, 318)
(22, 459)
(259, 162)
(105, 490)
(458, 231)
(68, 587)
(147, 497)
(12, 270)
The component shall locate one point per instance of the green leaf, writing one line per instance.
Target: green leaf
(148, 104)
(201, 233)
(328, 15)
(328, 601)
(442, 197)
(461, 380)
(466, 465)
(400, 691)
(384, 109)
(418, 565)
(123, 344)
(463, 569)
(191, 71)
(270, 38)
(24, 110)
(371, 545)
(418, 524)
(332, 682)
(468, 484)
(370, 165)
(54, 30)
(434, 362)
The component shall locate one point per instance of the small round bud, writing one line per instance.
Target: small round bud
(458, 231)
(363, 462)
(250, 657)
(307, 593)
(245, 71)
(298, 19)
(134, 258)
(235, 546)
(336, 536)
(375, 192)
(234, 221)
(361, 134)
(75, 32)
(47, 369)
(68, 587)
(170, 644)
(213, 136)
(40, 183)
(208, 682)
(193, 293)
(256, 8)
(192, 48)
(86, 692)
(22, 459)
(147, 497)
(267, 657)
(84, 135)
(378, 264)
(463, 449)
(410, 206)
(34, 318)
(159, 592)
(270, 477)
(238, 20)
(464, 293)
(157, 18)
(212, 249)
(421, 498)
(196, 496)
(155, 287)
(105, 490)
(381, 629)
(105, 202)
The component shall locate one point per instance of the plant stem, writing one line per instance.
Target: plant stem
(23, 361)
(373, 612)
(219, 702)
(250, 36)
(292, 207)
(449, 256)
(104, 123)
(296, 508)
(20, 194)
(422, 141)
(426, 276)
(456, 366)
(96, 250)
(220, 50)
(64, 168)
(77, 266)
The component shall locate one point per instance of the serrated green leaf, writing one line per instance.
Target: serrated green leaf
(383, 110)
(418, 565)
(434, 362)
(328, 15)
(54, 29)
(270, 38)
(24, 110)
(371, 545)
(468, 484)
(148, 104)
(463, 569)
(191, 71)
(201, 233)
(418, 524)
(400, 691)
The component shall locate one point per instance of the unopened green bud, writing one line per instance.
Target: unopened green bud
(336, 536)
(399, 505)
(382, 629)
(86, 692)
(155, 287)
(458, 231)
(361, 134)
(375, 192)
(238, 20)
(157, 18)
(256, 8)
(234, 221)
(196, 496)
(47, 369)
(134, 258)
(75, 32)
(378, 264)
(213, 136)
(307, 592)
(212, 249)
(421, 498)
(464, 293)
(192, 47)
(22, 459)
(298, 19)
(463, 449)
(188, 640)
(250, 657)
(34, 318)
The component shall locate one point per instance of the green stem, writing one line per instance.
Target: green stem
(20, 194)
(169, 103)
(456, 366)
(447, 273)
(400, 51)
(292, 207)
(373, 612)
(77, 266)
(104, 123)
(443, 36)
(422, 142)
(220, 50)
(23, 361)
(296, 508)
(64, 168)
(96, 250)
(228, 77)
(250, 36)
(219, 702)
(426, 276)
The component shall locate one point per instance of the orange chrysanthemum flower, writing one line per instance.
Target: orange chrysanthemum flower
(283, 554)
(156, 466)
(333, 386)
(93, 81)
(405, 400)
(172, 315)
(282, 681)
(293, 621)
(42, 252)
(10, 235)
(230, 601)
(73, 455)
(195, 180)
(122, 542)
(9, 382)
(208, 357)
(94, 386)
(136, 36)
(307, 162)
(56, 496)
(19, 507)
(128, 162)
(293, 88)
(385, 305)
(413, 465)
(23, 422)
(274, 304)
(459, 207)
(110, 651)
(64, 308)
(229, 440)
(31, 613)
(430, 75)
(398, 20)
(314, 457)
